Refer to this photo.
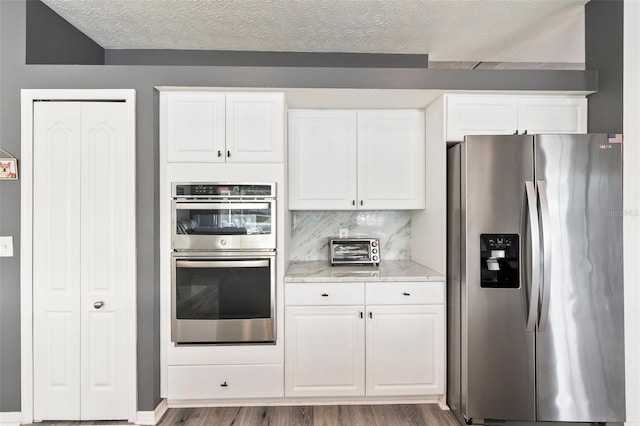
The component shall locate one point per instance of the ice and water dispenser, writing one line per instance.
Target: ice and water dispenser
(499, 261)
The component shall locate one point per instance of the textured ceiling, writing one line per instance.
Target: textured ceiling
(447, 30)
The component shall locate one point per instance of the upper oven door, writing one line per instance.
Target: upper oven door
(223, 225)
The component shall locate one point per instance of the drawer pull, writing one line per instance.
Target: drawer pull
(224, 385)
(406, 294)
(325, 295)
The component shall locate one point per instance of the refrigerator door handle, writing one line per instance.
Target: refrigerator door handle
(546, 253)
(534, 297)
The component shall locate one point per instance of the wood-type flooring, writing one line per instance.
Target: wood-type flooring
(320, 415)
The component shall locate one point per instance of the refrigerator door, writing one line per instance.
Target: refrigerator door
(497, 355)
(580, 346)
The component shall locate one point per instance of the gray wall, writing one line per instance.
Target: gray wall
(603, 52)
(56, 41)
(15, 75)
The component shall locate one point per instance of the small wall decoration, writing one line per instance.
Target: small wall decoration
(8, 166)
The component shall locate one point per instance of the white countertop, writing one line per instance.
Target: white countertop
(389, 270)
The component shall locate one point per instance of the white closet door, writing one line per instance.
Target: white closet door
(83, 254)
(106, 186)
(56, 260)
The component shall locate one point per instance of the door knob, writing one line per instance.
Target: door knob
(99, 304)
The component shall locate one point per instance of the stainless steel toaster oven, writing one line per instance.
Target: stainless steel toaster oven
(354, 251)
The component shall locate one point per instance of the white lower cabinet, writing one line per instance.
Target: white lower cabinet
(405, 350)
(362, 349)
(324, 350)
(225, 381)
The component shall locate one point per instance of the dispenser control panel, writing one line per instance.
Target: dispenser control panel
(499, 261)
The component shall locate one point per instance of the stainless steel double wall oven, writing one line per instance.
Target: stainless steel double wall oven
(223, 263)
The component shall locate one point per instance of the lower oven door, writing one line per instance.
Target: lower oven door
(223, 299)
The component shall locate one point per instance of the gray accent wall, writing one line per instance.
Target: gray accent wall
(55, 41)
(15, 75)
(603, 52)
(262, 59)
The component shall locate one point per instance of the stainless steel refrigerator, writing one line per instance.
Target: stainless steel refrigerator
(535, 279)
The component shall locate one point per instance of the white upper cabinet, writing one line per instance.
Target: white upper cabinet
(506, 115)
(552, 114)
(255, 127)
(322, 160)
(481, 115)
(391, 160)
(347, 160)
(224, 127)
(195, 126)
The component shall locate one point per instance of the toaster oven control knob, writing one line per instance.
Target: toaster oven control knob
(374, 251)
(375, 258)
(223, 242)
(374, 244)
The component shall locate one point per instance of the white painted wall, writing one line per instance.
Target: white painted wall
(631, 125)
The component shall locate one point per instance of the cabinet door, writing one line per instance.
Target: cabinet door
(391, 160)
(322, 160)
(481, 115)
(405, 350)
(195, 126)
(255, 127)
(324, 354)
(552, 114)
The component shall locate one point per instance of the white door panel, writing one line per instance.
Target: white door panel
(83, 181)
(106, 184)
(56, 260)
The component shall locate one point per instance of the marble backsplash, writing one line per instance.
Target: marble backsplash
(311, 230)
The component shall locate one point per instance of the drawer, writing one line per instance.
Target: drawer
(405, 293)
(225, 381)
(320, 294)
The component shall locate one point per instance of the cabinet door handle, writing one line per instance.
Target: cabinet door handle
(370, 315)
(361, 315)
(228, 154)
(361, 203)
(224, 385)
(325, 295)
(406, 294)
(219, 153)
(353, 202)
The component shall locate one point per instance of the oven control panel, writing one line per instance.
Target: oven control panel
(224, 190)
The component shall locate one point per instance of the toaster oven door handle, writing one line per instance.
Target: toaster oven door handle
(222, 263)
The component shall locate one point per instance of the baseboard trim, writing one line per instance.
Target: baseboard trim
(152, 417)
(267, 402)
(10, 418)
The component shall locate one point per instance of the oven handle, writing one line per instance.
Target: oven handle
(222, 263)
(221, 206)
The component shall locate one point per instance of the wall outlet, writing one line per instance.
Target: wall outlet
(343, 233)
(6, 246)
